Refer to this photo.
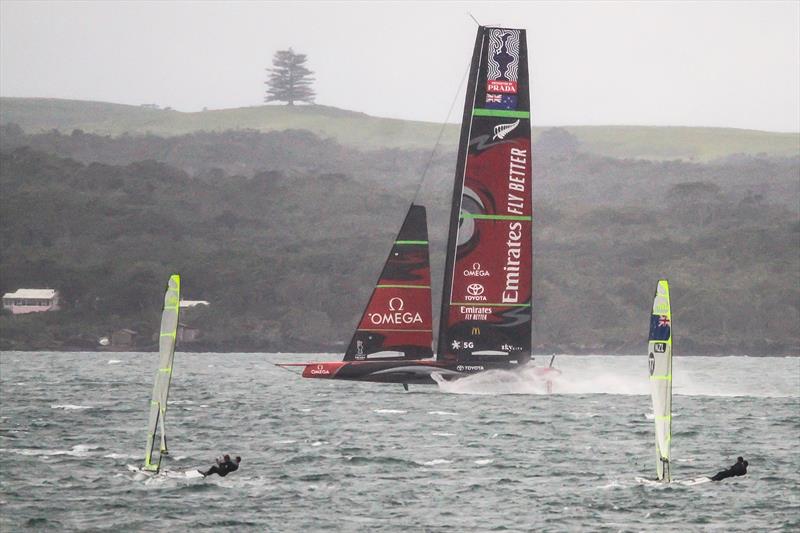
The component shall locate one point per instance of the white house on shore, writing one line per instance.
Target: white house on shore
(24, 301)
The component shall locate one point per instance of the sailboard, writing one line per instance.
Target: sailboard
(485, 312)
(158, 401)
(660, 366)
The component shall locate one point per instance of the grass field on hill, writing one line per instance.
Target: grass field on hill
(367, 132)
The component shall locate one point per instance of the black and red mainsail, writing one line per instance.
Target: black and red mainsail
(486, 297)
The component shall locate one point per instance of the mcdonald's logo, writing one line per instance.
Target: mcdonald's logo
(476, 331)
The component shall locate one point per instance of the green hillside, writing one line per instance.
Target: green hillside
(362, 131)
(347, 127)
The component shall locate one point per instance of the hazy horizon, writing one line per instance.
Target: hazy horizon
(704, 64)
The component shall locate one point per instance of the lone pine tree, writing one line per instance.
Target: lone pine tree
(289, 80)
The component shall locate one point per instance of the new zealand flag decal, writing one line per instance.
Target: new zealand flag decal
(501, 101)
(659, 328)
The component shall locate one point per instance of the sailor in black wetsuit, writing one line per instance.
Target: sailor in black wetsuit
(739, 469)
(223, 467)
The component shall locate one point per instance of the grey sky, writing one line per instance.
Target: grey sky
(731, 64)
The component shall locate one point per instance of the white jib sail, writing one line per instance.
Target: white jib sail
(166, 345)
(660, 365)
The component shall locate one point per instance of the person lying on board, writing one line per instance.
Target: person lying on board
(739, 469)
(224, 466)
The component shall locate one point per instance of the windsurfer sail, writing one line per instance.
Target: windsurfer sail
(158, 401)
(660, 365)
(485, 314)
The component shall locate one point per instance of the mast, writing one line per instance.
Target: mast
(486, 294)
(158, 401)
(660, 365)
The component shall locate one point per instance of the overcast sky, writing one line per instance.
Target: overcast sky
(730, 64)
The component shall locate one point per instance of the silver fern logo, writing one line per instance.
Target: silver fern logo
(501, 130)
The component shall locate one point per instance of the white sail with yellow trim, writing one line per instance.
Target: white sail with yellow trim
(158, 402)
(660, 364)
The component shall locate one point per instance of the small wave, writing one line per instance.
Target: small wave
(69, 407)
(285, 441)
(85, 447)
(114, 361)
(442, 413)
(481, 462)
(362, 460)
(437, 462)
(390, 411)
(80, 450)
(319, 443)
(442, 434)
(121, 456)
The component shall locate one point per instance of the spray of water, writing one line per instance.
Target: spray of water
(525, 381)
(596, 374)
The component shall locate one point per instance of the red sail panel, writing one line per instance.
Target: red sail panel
(397, 322)
(488, 272)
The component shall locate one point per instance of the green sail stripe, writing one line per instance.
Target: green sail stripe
(165, 369)
(483, 304)
(664, 377)
(402, 286)
(168, 335)
(495, 217)
(507, 113)
(411, 242)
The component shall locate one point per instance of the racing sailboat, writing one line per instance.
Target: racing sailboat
(485, 313)
(158, 401)
(660, 365)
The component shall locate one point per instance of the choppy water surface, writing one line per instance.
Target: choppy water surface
(490, 453)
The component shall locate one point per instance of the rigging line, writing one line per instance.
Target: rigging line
(473, 18)
(439, 138)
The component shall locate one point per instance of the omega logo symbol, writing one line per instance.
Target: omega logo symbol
(396, 304)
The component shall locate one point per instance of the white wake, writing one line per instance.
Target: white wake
(629, 375)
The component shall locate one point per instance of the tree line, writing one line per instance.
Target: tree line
(284, 233)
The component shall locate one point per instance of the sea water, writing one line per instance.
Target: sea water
(492, 452)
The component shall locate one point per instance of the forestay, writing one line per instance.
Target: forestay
(158, 402)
